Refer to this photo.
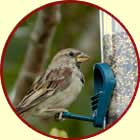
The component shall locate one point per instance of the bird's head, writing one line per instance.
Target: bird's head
(70, 56)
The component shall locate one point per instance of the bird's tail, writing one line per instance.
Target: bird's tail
(19, 110)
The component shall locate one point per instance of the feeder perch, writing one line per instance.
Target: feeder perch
(104, 83)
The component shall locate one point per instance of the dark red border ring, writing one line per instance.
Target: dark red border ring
(22, 21)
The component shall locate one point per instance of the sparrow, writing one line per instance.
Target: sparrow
(56, 89)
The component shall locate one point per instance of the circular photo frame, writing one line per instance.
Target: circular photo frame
(49, 83)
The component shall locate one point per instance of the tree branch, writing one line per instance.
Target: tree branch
(36, 54)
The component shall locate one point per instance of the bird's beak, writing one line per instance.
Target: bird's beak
(80, 58)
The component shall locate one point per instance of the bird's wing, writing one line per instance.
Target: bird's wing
(45, 86)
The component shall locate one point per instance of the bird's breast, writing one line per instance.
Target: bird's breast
(65, 98)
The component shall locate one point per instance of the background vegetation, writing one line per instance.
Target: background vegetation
(78, 28)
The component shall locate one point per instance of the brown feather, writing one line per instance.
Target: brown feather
(56, 79)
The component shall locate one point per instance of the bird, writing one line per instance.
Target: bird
(54, 90)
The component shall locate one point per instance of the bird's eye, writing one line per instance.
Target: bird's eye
(71, 54)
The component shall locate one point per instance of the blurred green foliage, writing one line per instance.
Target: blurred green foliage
(79, 28)
(58, 133)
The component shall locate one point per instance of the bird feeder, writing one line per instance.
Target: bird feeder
(117, 50)
(115, 76)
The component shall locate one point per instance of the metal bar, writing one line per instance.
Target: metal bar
(101, 34)
(106, 27)
(77, 117)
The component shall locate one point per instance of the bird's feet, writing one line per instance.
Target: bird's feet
(59, 113)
